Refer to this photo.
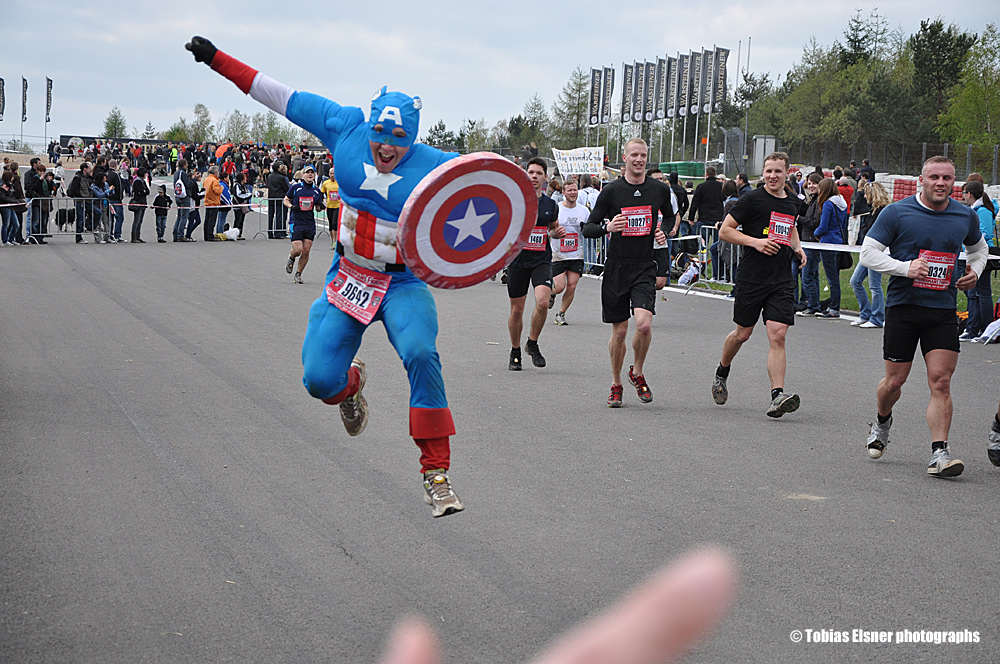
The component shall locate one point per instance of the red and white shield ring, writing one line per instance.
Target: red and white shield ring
(466, 220)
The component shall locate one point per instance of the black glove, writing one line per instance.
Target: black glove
(203, 49)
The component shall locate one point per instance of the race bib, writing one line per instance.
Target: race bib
(305, 204)
(357, 291)
(940, 265)
(780, 228)
(538, 239)
(332, 197)
(569, 243)
(640, 220)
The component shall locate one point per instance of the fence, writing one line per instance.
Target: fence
(109, 220)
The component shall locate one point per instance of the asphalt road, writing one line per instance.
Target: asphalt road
(170, 493)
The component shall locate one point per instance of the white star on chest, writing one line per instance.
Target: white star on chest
(378, 182)
(471, 224)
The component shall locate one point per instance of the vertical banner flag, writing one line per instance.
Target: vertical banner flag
(707, 78)
(719, 87)
(683, 85)
(672, 89)
(595, 96)
(637, 93)
(694, 104)
(659, 96)
(609, 88)
(650, 89)
(48, 98)
(626, 93)
(24, 99)
(3, 100)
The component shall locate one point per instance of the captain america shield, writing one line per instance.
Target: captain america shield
(466, 220)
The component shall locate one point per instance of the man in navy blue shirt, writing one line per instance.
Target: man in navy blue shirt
(302, 199)
(924, 234)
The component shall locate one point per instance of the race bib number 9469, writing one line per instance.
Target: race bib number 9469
(640, 220)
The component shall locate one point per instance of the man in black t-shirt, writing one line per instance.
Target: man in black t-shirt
(764, 277)
(534, 265)
(633, 204)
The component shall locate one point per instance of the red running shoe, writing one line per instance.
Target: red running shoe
(645, 395)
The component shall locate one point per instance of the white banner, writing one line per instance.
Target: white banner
(580, 161)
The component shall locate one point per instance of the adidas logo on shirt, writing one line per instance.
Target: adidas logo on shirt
(637, 193)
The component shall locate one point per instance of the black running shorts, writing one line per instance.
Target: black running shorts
(518, 279)
(662, 257)
(627, 285)
(302, 232)
(906, 324)
(775, 301)
(575, 265)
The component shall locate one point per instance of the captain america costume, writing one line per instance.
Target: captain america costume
(371, 203)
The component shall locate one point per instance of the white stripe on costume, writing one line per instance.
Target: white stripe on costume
(269, 92)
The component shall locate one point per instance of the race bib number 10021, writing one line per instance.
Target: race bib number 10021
(356, 291)
(940, 265)
(640, 220)
(780, 228)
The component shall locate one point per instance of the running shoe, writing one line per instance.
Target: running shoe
(615, 400)
(354, 409)
(783, 403)
(561, 319)
(878, 438)
(942, 465)
(639, 383)
(439, 494)
(515, 359)
(531, 348)
(993, 447)
(298, 278)
(719, 391)
(552, 301)
(290, 265)
(503, 276)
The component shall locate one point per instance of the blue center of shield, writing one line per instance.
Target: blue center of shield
(471, 223)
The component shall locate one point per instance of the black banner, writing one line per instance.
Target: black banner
(595, 97)
(694, 104)
(660, 93)
(649, 89)
(627, 81)
(683, 85)
(672, 87)
(707, 69)
(3, 100)
(24, 99)
(638, 78)
(48, 98)
(609, 88)
(719, 88)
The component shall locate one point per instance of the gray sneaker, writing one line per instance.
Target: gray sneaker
(783, 403)
(290, 265)
(942, 465)
(354, 409)
(439, 494)
(878, 437)
(298, 278)
(993, 447)
(719, 391)
(561, 318)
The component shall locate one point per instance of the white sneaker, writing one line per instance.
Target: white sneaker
(858, 323)
(942, 465)
(868, 325)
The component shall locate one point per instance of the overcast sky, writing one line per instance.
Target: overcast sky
(464, 59)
